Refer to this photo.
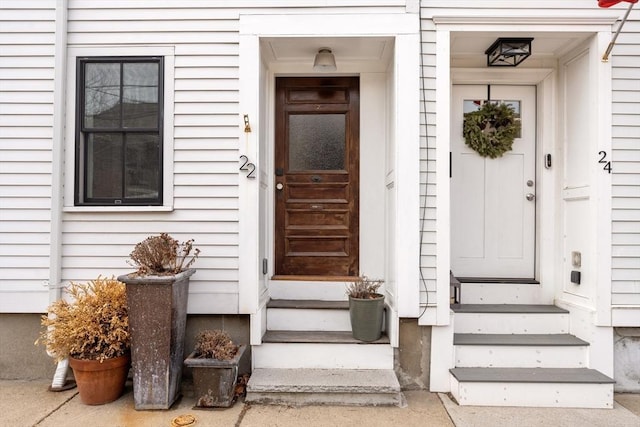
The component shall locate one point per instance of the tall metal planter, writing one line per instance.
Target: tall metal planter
(157, 322)
(367, 315)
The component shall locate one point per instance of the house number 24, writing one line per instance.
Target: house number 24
(247, 167)
(603, 161)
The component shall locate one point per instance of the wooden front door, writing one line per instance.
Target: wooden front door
(317, 169)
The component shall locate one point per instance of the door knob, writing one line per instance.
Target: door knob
(530, 196)
(279, 186)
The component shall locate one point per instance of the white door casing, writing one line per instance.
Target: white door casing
(258, 67)
(493, 200)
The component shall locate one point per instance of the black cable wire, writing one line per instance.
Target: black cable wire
(426, 175)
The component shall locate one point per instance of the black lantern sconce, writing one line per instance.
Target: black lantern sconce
(508, 52)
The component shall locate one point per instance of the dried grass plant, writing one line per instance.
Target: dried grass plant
(163, 255)
(94, 325)
(364, 288)
(215, 344)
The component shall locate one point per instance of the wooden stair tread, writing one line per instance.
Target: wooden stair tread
(531, 375)
(518, 340)
(492, 280)
(507, 308)
(317, 337)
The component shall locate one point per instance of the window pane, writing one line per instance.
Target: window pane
(102, 95)
(104, 166)
(140, 95)
(516, 108)
(316, 142)
(471, 105)
(142, 167)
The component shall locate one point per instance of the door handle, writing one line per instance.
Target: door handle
(279, 186)
(530, 196)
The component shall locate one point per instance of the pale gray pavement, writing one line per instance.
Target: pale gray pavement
(28, 403)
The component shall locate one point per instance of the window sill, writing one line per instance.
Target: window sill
(117, 209)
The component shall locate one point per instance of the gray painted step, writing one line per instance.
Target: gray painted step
(324, 386)
(531, 375)
(497, 280)
(321, 337)
(518, 340)
(506, 308)
(308, 304)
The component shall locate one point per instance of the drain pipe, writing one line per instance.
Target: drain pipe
(57, 164)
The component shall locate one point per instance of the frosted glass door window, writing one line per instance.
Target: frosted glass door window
(317, 142)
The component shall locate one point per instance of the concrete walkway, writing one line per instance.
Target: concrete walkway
(28, 403)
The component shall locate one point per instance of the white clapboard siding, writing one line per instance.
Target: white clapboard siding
(26, 121)
(206, 120)
(625, 278)
(206, 131)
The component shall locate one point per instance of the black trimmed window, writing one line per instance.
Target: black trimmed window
(119, 131)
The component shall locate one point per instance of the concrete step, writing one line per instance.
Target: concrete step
(308, 315)
(324, 387)
(520, 351)
(510, 319)
(314, 353)
(541, 387)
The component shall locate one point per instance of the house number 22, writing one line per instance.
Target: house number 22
(248, 167)
(603, 160)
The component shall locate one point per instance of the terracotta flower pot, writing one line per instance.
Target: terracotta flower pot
(100, 382)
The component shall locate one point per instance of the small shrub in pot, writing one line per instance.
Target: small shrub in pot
(366, 308)
(214, 362)
(92, 329)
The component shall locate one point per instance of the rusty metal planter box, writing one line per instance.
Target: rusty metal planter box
(157, 323)
(214, 381)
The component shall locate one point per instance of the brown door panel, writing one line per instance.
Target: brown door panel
(306, 192)
(312, 218)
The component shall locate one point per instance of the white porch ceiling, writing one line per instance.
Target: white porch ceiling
(545, 44)
(304, 49)
(464, 45)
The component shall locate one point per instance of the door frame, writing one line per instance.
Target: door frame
(547, 80)
(598, 26)
(544, 79)
(401, 78)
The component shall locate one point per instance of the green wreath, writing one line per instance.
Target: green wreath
(491, 129)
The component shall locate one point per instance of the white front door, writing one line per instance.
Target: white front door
(493, 200)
